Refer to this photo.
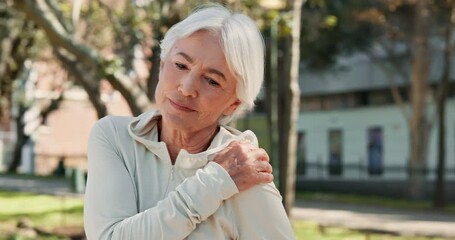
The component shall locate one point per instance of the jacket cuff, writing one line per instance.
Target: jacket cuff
(212, 187)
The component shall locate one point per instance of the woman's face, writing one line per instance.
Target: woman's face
(195, 85)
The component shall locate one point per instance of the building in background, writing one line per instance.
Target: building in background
(64, 135)
(353, 137)
(60, 138)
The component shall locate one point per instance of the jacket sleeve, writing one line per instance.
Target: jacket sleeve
(110, 207)
(259, 214)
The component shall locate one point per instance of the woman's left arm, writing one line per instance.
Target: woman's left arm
(256, 212)
(259, 214)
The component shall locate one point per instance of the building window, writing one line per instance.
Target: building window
(335, 152)
(381, 97)
(375, 151)
(362, 99)
(301, 160)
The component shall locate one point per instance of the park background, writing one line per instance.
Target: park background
(358, 97)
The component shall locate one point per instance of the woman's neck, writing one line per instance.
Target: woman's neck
(191, 141)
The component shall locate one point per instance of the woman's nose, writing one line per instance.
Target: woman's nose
(188, 86)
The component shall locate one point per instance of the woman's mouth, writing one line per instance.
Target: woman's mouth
(180, 106)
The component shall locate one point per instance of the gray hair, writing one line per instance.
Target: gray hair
(242, 44)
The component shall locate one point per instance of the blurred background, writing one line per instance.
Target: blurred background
(358, 105)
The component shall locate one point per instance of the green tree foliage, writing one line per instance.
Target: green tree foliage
(335, 27)
(341, 27)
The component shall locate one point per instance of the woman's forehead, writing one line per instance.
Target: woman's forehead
(205, 46)
(200, 46)
(202, 38)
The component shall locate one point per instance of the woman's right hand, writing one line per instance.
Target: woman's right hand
(247, 164)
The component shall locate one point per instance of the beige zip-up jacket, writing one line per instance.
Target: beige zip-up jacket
(134, 192)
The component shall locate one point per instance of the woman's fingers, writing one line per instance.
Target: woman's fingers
(246, 164)
(247, 179)
(258, 154)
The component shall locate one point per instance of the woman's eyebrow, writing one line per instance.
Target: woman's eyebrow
(186, 56)
(216, 72)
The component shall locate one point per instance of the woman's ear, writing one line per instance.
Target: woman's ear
(231, 108)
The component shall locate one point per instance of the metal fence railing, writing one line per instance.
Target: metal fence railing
(320, 169)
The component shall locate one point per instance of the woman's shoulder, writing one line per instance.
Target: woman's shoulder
(113, 122)
(259, 207)
(228, 134)
(111, 127)
(263, 192)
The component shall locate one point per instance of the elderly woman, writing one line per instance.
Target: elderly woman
(179, 172)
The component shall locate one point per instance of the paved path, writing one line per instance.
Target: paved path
(363, 218)
(378, 219)
(56, 186)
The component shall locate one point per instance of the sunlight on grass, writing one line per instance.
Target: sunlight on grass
(43, 210)
(51, 212)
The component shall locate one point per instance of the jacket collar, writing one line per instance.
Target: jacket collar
(144, 130)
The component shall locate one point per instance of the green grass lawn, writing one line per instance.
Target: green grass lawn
(59, 214)
(49, 213)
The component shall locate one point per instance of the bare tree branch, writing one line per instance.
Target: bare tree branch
(55, 10)
(81, 79)
(396, 66)
(39, 12)
(396, 95)
(131, 91)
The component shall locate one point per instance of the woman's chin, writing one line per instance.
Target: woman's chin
(179, 121)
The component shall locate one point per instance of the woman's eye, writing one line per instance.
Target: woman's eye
(180, 66)
(212, 82)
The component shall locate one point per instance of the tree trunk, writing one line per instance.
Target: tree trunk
(21, 139)
(17, 50)
(288, 139)
(439, 200)
(154, 72)
(169, 15)
(419, 85)
(272, 97)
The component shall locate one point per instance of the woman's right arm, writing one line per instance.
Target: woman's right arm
(110, 208)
